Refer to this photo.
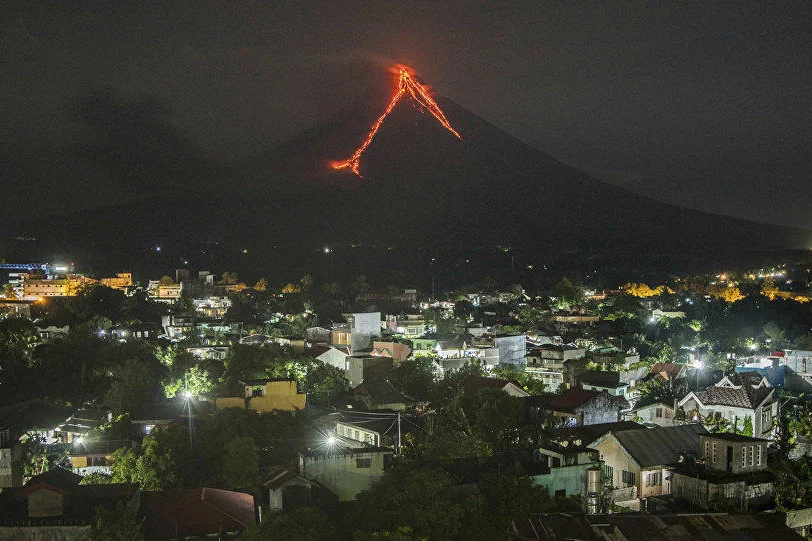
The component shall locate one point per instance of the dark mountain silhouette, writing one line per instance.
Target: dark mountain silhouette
(420, 186)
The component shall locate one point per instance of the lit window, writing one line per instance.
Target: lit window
(751, 456)
(758, 460)
(707, 450)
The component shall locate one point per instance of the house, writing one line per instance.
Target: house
(738, 379)
(743, 406)
(345, 468)
(53, 505)
(266, 395)
(668, 371)
(549, 371)
(560, 352)
(286, 489)
(412, 325)
(141, 331)
(334, 356)
(584, 407)
(145, 418)
(658, 413)
(373, 428)
(196, 513)
(642, 459)
(358, 332)
(475, 383)
(381, 394)
(512, 349)
(732, 474)
(362, 367)
(87, 457)
(563, 467)
(397, 351)
(617, 526)
(600, 380)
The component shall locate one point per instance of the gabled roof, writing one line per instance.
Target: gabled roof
(743, 397)
(195, 511)
(381, 392)
(475, 383)
(660, 446)
(667, 371)
(61, 479)
(750, 377)
(573, 399)
(590, 433)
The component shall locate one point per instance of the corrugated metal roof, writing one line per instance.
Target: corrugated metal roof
(661, 445)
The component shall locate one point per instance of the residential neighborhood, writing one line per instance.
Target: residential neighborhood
(265, 408)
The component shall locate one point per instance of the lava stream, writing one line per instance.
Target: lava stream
(420, 94)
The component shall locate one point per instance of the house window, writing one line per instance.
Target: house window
(654, 479)
(751, 455)
(355, 437)
(766, 419)
(707, 450)
(758, 459)
(744, 456)
(714, 452)
(658, 413)
(609, 473)
(363, 462)
(629, 478)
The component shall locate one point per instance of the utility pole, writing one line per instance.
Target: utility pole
(398, 433)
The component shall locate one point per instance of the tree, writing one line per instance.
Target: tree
(414, 377)
(420, 498)
(261, 285)
(166, 281)
(529, 383)
(777, 336)
(568, 293)
(301, 524)
(240, 464)
(228, 278)
(114, 525)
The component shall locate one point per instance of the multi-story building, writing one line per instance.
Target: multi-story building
(732, 474)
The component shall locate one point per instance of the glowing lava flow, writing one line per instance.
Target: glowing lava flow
(419, 93)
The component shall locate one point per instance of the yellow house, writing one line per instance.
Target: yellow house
(267, 395)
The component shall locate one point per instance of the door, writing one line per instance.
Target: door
(729, 459)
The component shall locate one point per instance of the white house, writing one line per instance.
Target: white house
(735, 405)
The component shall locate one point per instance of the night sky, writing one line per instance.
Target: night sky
(705, 105)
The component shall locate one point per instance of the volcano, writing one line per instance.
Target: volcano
(422, 184)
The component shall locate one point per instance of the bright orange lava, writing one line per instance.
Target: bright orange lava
(419, 93)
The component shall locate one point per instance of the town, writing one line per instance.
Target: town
(197, 405)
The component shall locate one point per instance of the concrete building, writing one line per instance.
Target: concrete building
(583, 407)
(732, 475)
(643, 458)
(739, 406)
(512, 349)
(562, 467)
(267, 395)
(345, 470)
(654, 413)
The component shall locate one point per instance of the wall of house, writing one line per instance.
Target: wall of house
(599, 410)
(358, 434)
(283, 402)
(613, 456)
(230, 402)
(649, 415)
(38, 533)
(46, 503)
(751, 454)
(690, 489)
(571, 479)
(645, 490)
(341, 474)
(11, 474)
